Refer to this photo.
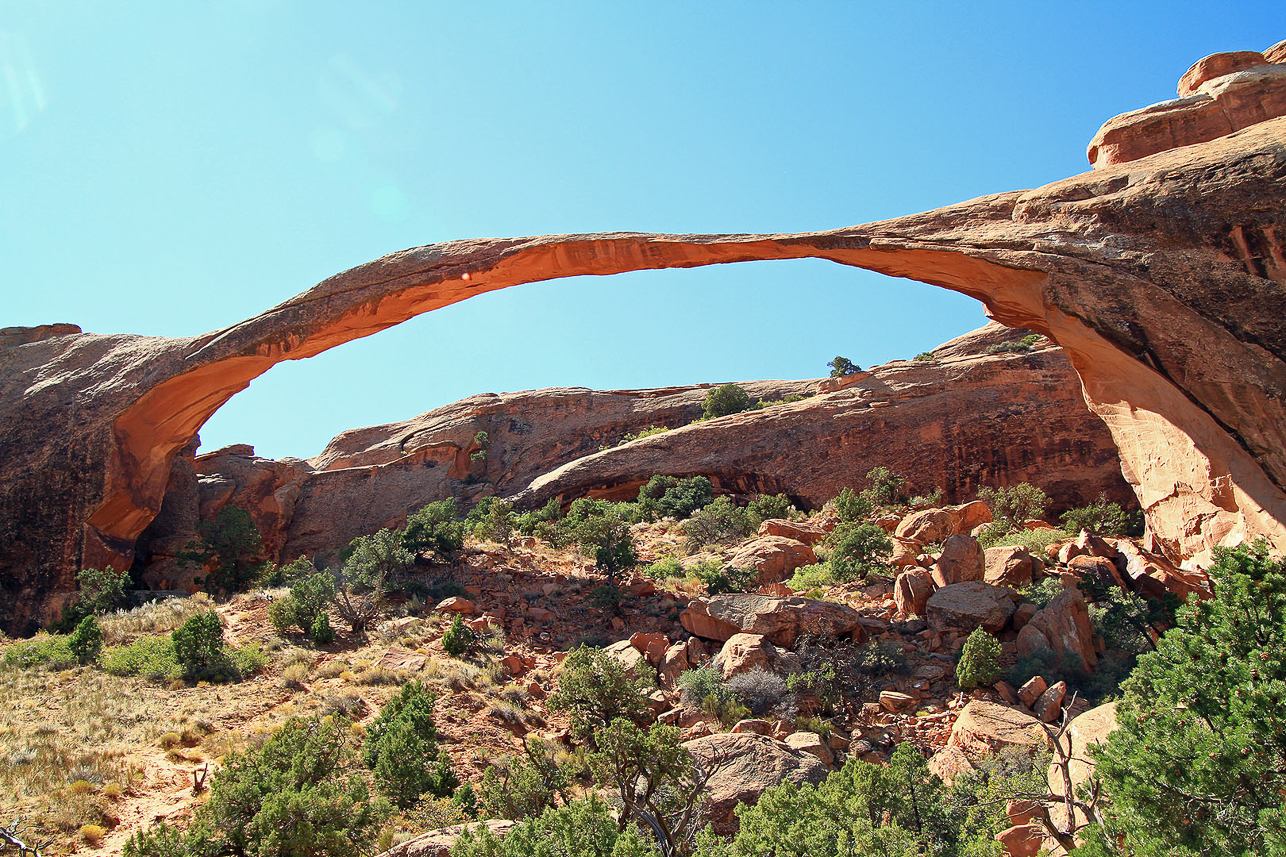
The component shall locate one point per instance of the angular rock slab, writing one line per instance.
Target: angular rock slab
(781, 620)
(745, 766)
(962, 607)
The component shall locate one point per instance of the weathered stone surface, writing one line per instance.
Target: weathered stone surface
(1031, 641)
(1153, 576)
(1032, 690)
(1158, 314)
(965, 606)
(1065, 623)
(962, 560)
(774, 557)
(911, 591)
(439, 842)
(1022, 840)
(1221, 94)
(809, 534)
(781, 620)
(1010, 566)
(635, 661)
(927, 526)
(1096, 568)
(745, 652)
(1083, 731)
(673, 663)
(744, 767)
(811, 743)
(1049, 705)
(892, 700)
(985, 728)
(752, 726)
(653, 646)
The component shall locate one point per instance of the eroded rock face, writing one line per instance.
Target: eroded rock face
(1163, 279)
(744, 767)
(1218, 95)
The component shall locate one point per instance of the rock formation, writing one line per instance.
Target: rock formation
(1164, 280)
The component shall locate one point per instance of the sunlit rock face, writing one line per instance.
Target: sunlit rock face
(1163, 279)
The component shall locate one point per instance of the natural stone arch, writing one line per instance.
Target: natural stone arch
(1162, 279)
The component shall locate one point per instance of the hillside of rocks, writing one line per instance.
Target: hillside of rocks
(1160, 273)
(961, 421)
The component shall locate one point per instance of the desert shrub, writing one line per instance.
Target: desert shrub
(101, 591)
(896, 810)
(1102, 518)
(812, 579)
(932, 500)
(926, 356)
(607, 537)
(719, 522)
(492, 520)
(664, 568)
(434, 527)
(1016, 346)
(979, 661)
(769, 506)
(320, 631)
(1036, 541)
(584, 828)
(227, 545)
(857, 550)
(722, 579)
(858, 671)
(761, 690)
(725, 400)
(670, 497)
(295, 796)
(151, 657)
(1198, 763)
(87, 640)
(458, 639)
(785, 400)
(52, 651)
(700, 683)
(281, 614)
(842, 366)
(594, 689)
(401, 748)
(817, 682)
(542, 522)
(852, 507)
(310, 597)
(375, 564)
(483, 440)
(1012, 507)
(524, 786)
(647, 432)
(198, 644)
(886, 487)
(605, 596)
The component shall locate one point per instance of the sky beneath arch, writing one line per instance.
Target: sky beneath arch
(172, 168)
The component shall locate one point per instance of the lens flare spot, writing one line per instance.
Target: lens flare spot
(22, 96)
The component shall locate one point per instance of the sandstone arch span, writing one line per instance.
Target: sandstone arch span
(1164, 279)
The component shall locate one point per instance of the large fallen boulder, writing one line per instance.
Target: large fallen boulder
(962, 607)
(743, 767)
(809, 534)
(781, 620)
(774, 557)
(745, 652)
(962, 560)
(911, 591)
(1065, 623)
(1009, 565)
(983, 730)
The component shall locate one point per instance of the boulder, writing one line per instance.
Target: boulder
(635, 661)
(653, 646)
(893, 701)
(673, 663)
(439, 842)
(1009, 565)
(1217, 65)
(774, 557)
(927, 526)
(1031, 641)
(398, 659)
(743, 767)
(962, 560)
(983, 729)
(753, 727)
(1031, 691)
(809, 534)
(906, 553)
(1023, 615)
(812, 743)
(963, 607)
(456, 604)
(1065, 623)
(744, 652)
(1096, 568)
(1083, 731)
(969, 516)
(781, 620)
(911, 591)
(1049, 705)
(1153, 576)
(1022, 840)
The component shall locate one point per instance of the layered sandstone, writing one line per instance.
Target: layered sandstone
(1164, 280)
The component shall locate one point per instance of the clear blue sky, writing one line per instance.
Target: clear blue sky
(171, 168)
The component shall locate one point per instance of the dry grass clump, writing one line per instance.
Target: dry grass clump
(93, 833)
(379, 675)
(347, 704)
(293, 676)
(333, 669)
(154, 617)
(506, 712)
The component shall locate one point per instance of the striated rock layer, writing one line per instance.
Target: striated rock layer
(1164, 280)
(963, 420)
